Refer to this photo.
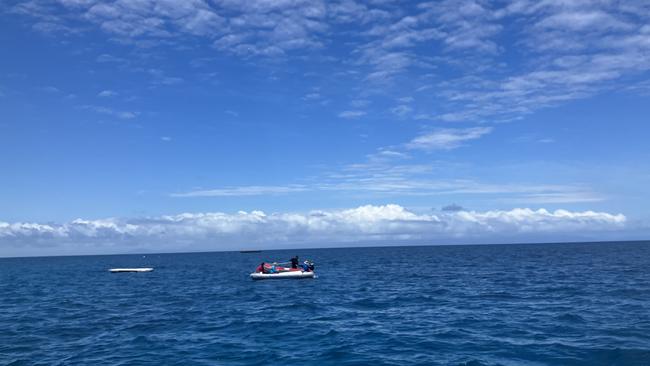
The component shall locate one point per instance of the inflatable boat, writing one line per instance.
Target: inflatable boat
(271, 271)
(282, 275)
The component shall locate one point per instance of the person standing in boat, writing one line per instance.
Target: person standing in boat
(294, 262)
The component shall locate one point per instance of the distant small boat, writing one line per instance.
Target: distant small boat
(250, 251)
(118, 270)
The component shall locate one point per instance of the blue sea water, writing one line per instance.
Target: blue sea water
(546, 304)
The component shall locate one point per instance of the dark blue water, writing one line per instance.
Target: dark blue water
(557, 304)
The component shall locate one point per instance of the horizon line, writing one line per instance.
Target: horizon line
(345, 247)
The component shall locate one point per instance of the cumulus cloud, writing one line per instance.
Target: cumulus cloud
(365, 223)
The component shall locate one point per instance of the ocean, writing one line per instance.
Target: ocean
(538, 304)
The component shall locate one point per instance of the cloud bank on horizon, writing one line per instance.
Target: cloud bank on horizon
(382, 225)
(141, 108)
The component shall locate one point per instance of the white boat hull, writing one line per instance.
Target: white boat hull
(118, 270)
(282, 275)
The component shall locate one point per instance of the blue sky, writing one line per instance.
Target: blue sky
(205, 125)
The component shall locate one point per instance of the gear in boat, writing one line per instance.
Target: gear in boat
(279, 271)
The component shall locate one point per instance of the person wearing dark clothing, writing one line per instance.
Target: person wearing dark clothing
(294, 262)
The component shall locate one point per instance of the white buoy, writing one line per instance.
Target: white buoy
(117, 270)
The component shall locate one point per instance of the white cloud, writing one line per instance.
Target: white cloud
(385, 154)
(607, 41)
(365, 223)
(311, 96)
(402, 110)
(106, 58)
(49, 89)
(382, 177)
(244, 191)
(257, 27)
(352, 114)
(557, 197)
(447, 138)
(159, 19)
(359, 103)
(111, 111)
(160, 78)
(581, 20)
(107, 93)
(126, 115)
(466, 25)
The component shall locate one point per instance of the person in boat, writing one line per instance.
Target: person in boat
(294, 262)
(260, 268)
(267, 268)
(273, 268)
(305, 266)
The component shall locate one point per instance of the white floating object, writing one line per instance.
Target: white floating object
(116, 270)
(282, 275)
